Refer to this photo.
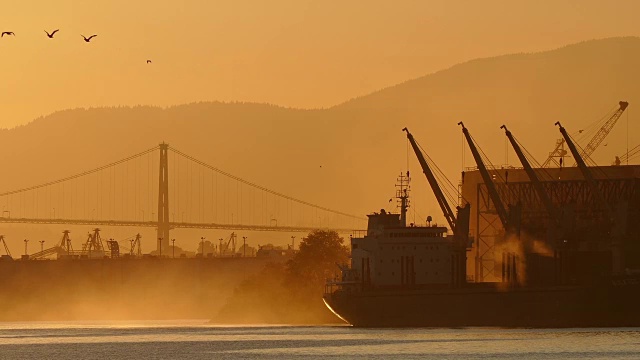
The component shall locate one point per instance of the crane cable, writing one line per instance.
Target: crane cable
(441, 178)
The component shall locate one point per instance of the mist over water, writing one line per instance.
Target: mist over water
(125, 289)
(198, 340)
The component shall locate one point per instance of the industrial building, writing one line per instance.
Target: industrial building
(583, 222)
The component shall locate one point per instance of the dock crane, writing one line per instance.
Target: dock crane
(136, 249)
(63, 248)
(437, 191)
(458, 223)
(66, 240)
(603, 132)
(488, 181)
(595, 141)
(510, 219)
(533, 177)
(591, 183)
(6, 248)
(584, 169)
(228, 248)
(93, 244)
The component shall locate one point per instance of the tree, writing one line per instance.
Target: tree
(209, 248)
(290, 293)
(316, 261)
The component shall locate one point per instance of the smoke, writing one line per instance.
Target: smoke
(524, 248)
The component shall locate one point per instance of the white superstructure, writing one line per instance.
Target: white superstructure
(392, 254)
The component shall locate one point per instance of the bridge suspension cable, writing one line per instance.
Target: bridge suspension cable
(201, 163)
(89, 172)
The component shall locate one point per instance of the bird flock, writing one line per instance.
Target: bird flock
(50, 35)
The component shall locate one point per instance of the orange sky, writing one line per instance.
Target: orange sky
(288, 52)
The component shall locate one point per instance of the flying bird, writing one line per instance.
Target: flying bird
(148, 61)
(7, 33)
(53, 33)
(87, 39)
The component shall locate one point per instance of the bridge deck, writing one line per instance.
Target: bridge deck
(173, 225)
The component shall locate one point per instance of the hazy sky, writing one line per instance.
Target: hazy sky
(289, 52)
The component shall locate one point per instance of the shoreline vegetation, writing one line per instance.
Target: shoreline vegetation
(291, 292)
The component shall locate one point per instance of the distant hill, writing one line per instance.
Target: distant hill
(359, 143)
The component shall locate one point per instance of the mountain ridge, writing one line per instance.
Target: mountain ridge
(347, 156)
(489, 58)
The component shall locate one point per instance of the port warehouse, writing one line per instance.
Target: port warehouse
(583, 222)
(123, 288)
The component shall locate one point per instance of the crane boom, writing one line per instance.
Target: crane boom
(604, 131)
(584, 169)
(617, 259)
(6, 248)
(437, 191)
(593, 144)
(533, 177)
(491, 187)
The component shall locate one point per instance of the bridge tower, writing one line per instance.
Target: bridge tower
(163, 199)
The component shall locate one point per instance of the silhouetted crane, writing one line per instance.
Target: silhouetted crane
(53, 33)
(7, 33)
(593, 144)
(87, 39)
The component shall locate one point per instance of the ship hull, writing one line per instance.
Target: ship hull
(595, 306)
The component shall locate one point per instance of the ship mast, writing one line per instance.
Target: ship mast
(402, 194)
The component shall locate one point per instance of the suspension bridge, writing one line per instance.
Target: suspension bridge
(140, 191)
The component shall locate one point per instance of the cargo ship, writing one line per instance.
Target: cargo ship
(415, 275)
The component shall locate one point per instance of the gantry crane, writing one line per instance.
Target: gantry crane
(593, 143)
(93, 244)
(65, 243)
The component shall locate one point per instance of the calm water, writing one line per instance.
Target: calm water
(198, 340)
